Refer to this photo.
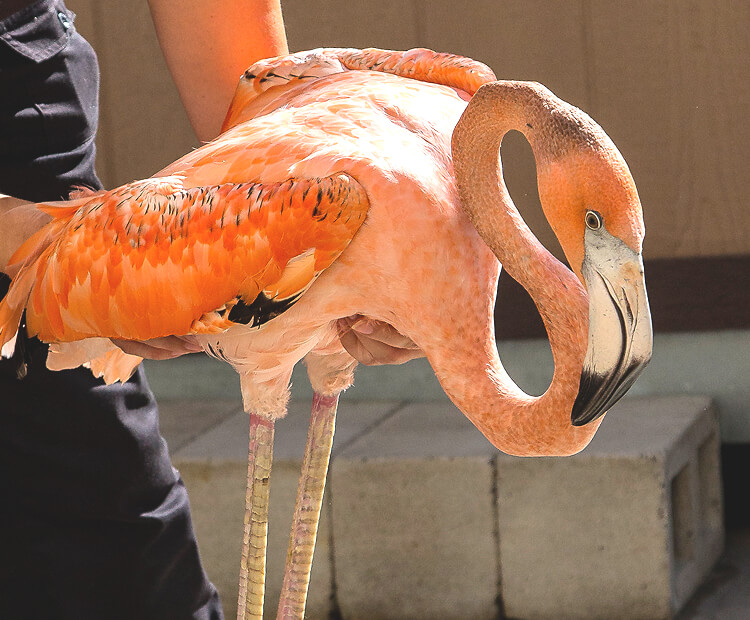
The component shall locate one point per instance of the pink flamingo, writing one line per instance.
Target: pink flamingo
(334, 190)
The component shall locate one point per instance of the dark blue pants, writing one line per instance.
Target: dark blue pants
(94, 521)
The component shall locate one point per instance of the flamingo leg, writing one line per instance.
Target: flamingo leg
(253, 563)
(307, 509)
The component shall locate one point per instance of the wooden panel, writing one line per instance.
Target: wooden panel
(389, 24)
(671, 83)
(537, 40)
(86, 25)
(84, 22)
(143, 124)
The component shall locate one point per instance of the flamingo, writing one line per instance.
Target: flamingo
(355, 182)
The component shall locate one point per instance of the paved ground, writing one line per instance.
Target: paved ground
(724, 596)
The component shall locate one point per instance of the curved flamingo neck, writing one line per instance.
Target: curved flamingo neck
(512, 420)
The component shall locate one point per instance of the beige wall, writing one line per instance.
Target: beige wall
(669, 81)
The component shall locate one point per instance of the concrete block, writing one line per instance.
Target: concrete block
(413, 519)
(625, 530)
(214, 468)
(428, 520)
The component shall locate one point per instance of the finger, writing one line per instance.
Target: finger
(385, 333)
(158, 348)
(378, 330)
(141, 349)
(351, 343)
(176, 343)
(375, 353)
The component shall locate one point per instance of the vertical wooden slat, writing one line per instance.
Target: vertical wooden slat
(673, 92)
(537, 40)
(87, 24)
(143, 125)
(534, 40)
(388, 24)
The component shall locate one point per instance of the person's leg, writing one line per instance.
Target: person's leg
(94, 521)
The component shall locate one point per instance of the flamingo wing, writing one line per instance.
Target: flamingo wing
(153, 258)
(294, 71)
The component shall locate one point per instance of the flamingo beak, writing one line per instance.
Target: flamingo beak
(620, 335)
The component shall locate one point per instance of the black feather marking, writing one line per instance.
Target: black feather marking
(261, 310)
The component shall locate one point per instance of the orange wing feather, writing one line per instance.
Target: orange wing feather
(152, 259)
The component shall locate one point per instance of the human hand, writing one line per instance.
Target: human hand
(374, 343)
(19, 219)
(164, 348)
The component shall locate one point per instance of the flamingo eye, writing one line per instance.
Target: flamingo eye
(593, 220)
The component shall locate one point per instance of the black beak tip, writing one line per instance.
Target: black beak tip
(580, 416)
(598, 393)
(583, 421)
(587, 406)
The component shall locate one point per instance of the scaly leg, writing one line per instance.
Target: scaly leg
(253, 565)
(307, 510)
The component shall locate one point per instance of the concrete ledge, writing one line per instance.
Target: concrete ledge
(427, 520)
(213, 465)
(414, 519)
(627, 529)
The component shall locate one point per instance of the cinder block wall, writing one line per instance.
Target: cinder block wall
(669, 82)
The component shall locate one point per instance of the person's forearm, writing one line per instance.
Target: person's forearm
(208, 44)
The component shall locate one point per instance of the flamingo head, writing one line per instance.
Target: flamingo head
(591, 202)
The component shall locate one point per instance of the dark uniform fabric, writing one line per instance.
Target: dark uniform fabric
(94, 521)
